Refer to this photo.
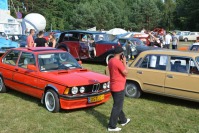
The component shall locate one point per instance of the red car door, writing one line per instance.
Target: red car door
(26, 79)
(7, 67)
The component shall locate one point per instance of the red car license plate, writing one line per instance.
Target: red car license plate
(95, 98)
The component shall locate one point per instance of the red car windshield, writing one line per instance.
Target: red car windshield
(57, 61)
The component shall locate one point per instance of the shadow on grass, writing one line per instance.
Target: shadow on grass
(25, 97)
(95, 62)
(102, 118)
(170, 100)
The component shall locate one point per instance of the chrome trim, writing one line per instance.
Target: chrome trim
(96, 87)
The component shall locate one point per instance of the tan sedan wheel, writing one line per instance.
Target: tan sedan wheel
(132, 90)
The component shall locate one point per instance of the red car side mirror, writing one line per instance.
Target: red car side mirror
(31, 67)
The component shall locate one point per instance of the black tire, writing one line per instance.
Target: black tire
(51, 101)
(132, 90)
(108, 57)
(186, 39)
(2, 86)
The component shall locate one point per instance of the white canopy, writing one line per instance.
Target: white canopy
(116, 31)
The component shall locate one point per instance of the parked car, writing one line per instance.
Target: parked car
(137, 45)
(164, 72)
(86, 45)
(21, 39)
(6, 44)
(192, 47)
(53, 76)
(3, 35)
(192, 36)
(96, 46)
(182, 33)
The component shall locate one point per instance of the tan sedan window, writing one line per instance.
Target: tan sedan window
(179, 64)
(157, 62)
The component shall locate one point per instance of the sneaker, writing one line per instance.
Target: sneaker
(127, 121)
(114, 129)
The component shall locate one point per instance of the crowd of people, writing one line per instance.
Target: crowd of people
(163, 40)
(39, 41)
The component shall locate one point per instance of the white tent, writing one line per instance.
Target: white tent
(9, 24)
(116, 31)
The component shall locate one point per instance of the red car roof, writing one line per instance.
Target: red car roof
(39, 49)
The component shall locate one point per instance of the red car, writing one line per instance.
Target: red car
(87, 45)
(53, 76)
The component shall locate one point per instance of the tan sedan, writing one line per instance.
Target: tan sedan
(164, 72)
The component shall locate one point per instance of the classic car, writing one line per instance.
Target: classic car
(96, 46)
(175, 74)
(21, 39)
(86, 45)
(53, 76)
(6, 44)
(137, 46)
(191, 36)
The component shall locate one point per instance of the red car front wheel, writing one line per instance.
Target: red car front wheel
(52, 101)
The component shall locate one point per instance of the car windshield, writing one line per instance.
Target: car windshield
(178, 33)
(99, 37)
(57, 61)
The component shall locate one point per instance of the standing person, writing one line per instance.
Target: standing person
(30, 41)
(168, 40)
(118, 71)
(152, 38)
(175, 40)
(40, 41)
(52, 41)
(143, 30)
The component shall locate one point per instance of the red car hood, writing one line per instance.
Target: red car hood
(75, 78)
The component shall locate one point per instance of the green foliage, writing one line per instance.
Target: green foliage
(106, 14)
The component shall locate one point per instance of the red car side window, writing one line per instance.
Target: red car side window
(11, 58)
(26, 59)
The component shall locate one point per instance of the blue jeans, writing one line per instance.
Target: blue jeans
(117, 112)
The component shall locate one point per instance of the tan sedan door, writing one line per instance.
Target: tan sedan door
(181, 80)
(152, 72)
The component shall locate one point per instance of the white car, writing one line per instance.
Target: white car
(182, 33)
(190, 37)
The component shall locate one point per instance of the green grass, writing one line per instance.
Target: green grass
(20, 113)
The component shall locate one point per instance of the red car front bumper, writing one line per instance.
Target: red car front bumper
(81, 102)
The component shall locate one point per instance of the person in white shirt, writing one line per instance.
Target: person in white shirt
(168, 40)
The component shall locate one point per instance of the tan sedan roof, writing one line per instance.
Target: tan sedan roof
(171, 52)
